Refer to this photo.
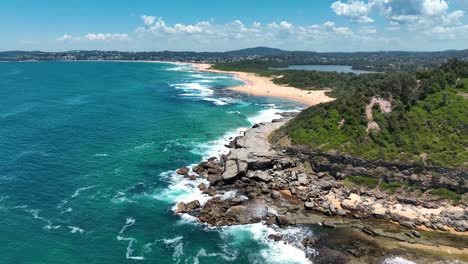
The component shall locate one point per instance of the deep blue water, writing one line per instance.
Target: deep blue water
(327, 68)
(87, 155)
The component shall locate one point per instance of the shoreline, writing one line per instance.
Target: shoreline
(263, 86)
(263, 177)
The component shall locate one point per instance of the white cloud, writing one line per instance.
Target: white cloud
(65, 37)
(95, 37)
(434, 7)
(453, 18)
(456, 32)
(357, 11)
(148, 20)
(368, 30)
(106, 37)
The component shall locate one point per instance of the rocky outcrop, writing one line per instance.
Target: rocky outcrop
(292, 186)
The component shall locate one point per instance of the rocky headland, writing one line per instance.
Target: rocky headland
(283, 185)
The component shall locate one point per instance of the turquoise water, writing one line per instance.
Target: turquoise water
(87, 155)
(327, 68)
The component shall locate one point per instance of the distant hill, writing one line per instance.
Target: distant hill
(260, 51)
(261, 57)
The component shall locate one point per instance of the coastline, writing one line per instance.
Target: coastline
(263, 86)
(264, 177)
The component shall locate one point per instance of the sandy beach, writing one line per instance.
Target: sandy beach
(263, 86)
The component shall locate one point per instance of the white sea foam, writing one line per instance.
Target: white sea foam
(130, 250)
(61, 204)
(182, 67)
(206, 81)
(101, 155)
(128, 222)
(275, 252)
(194, 87)
(35, 214)
(225, 255)
(68, 210)
(215, 101)
(75, 229)
(143, 146)
(397, 260)
(197, 75)
(129, 254)
(177, 245)
(79, 190)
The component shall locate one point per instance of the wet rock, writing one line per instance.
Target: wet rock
(214, 178)
(415, 233)
(327, 255)
(282, 221)
(210, 191)
(275, 195)
(182, 171)
(308, 242)
(192, 177)
(369, 230)
(235, 201)
(328, 224)
(192, 205)
(202, 186)
(275, 237)
(354, 252)
(252, 195)
(181, 208)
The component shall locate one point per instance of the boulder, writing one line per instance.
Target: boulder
(192, 177)
(235, 201)
(275, 195)
(181, 208)
(214, 178)
(234, 168)
(182, 171)
(369, 230)
(309, 205)
(192, 205)
(202, 186)
(274, 237)
(302, 179)
(328, 224)
(210, 191)
(282, 221)
(260, 175)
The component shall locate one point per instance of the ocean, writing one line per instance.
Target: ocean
(87, 160)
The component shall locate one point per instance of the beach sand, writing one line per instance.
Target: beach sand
(263, 86)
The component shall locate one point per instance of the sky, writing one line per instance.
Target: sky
(222, 25)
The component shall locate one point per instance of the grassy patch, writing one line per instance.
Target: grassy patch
(390, 187)
(364, 180)
(446, 194)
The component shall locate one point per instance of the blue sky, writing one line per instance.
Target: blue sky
(219, 25)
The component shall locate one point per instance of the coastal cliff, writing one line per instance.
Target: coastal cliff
(281, 186)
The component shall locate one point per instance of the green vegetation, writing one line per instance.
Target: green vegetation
(427, 125)
(370, 182)
(390, 187)
(446, 194)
